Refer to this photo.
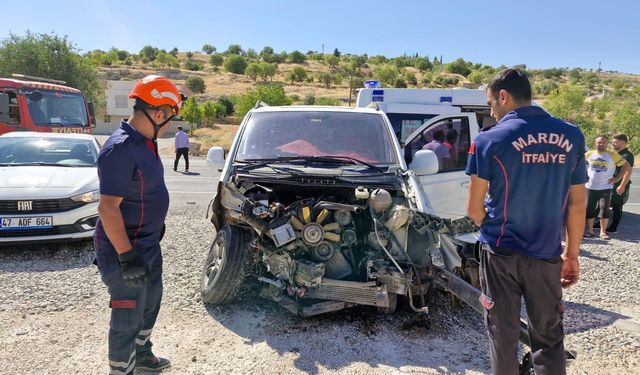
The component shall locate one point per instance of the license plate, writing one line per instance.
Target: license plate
(17, 223)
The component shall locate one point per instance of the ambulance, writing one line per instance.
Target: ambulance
(444, 121)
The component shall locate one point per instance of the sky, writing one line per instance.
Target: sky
(539, 34)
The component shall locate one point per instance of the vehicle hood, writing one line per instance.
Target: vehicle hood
(42, 182)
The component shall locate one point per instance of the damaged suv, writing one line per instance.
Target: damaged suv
(318, 204)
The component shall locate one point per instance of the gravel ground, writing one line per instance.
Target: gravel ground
(54, 319)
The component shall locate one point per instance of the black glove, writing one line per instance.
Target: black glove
(134, 270)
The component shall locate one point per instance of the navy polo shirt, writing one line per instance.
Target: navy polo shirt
(530, 160)
(129, 168)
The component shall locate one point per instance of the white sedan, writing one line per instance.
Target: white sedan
(48, 187)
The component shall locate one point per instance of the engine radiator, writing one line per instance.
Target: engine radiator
(350, 291)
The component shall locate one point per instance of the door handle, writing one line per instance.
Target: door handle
(465, 184)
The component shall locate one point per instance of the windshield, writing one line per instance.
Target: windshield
(361, 136)
(16, 151)
(56, 108)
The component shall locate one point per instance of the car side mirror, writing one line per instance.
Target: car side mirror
(215, 157)
(4, 107)
(425, 162)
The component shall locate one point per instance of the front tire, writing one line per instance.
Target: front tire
(223, 271)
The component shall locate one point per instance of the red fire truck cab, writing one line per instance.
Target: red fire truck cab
(43, 105)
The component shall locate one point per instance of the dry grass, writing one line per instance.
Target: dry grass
(217, 135)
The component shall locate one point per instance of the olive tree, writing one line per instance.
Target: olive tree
(235, 64)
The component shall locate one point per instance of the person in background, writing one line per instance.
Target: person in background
(133, 206)
(620, 193)
(450, 143)
(438, 147)
(182, 149)
(602, 165)
(536, 191)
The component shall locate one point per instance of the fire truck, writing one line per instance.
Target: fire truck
(43, 105)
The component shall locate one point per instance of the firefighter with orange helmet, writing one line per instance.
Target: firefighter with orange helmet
(133, 205)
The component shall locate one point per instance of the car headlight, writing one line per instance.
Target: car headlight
(92, 196)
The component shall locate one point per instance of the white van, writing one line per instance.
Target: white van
(451, 116)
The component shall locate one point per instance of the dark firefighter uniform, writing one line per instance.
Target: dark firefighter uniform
(129, 167)
(530, 160)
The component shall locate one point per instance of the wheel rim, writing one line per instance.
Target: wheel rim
(214, 262)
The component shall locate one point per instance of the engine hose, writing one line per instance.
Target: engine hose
(375, 228)
(247, 216)
(338, 206)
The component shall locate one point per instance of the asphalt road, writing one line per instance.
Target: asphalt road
(195, 188)
(633, 205)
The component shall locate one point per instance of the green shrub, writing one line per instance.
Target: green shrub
(216, 59)
(227, 103)
(195, 84)
(327, 101)
(235, 64)
(193, 65)
(297, 57)
(400, 83)
(272, 94)
(208, 49)
(211, 111)
(253, 70)
(309, 100)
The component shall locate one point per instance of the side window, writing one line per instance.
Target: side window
(449, 139)
(14, 109)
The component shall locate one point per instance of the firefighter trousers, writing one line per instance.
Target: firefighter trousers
(505, 278)
(133, 315)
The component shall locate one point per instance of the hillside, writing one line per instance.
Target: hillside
(220, 82)
(598, 101)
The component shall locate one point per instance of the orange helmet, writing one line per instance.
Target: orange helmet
(157, 91)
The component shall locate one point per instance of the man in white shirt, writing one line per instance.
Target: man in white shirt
(182, 149)
(602, 165)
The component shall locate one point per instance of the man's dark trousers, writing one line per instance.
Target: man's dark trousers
(505, 277)
(182, 152)
(133, 315)
(617, 201)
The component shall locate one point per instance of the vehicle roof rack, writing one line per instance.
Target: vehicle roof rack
(260, 104)
(374, 105)
(38, 79)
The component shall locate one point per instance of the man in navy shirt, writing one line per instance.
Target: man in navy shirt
(532, 167)
(133, 205)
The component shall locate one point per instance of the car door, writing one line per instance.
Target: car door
(447, 189)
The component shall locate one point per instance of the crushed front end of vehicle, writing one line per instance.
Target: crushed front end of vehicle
(324, 229)
(326, 245)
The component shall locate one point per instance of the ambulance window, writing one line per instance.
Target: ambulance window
(449, 139)
(406, 123)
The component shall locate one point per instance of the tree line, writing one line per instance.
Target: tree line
(597, 102)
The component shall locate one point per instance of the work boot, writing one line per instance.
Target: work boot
(152, 363)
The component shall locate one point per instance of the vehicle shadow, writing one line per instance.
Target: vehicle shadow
(47, 257)
(391, 343)
(580, 317)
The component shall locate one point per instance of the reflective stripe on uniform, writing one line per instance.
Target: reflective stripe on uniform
(128, 366)
(143, 337)
(125, 372)
(145, 332)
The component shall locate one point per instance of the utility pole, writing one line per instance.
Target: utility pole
(323, 48)
(350, 87)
